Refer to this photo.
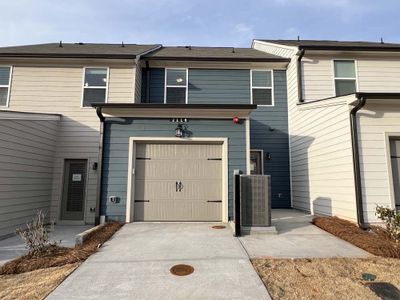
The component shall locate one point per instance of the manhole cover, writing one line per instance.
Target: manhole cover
(182, 270)
(219, 227)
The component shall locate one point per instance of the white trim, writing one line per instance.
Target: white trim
(7, 86)
(176, 86)
(293, 48)
(262, 87)
(247, 124)
(392, 195)
(344, 78)
(262, 158)
(15, 115)
(95, 87)
(131, 165)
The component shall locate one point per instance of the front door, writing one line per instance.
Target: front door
(395, 160)
(73, 198)
(178, 182)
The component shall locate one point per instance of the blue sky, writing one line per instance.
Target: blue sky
(196, 22)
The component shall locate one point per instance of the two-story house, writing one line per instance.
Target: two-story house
(344, 125)
(138, 132)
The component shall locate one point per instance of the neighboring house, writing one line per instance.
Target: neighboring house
(344, 125)
(230, 104)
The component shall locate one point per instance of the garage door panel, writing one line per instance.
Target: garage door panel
(158, 169)
(182, 210)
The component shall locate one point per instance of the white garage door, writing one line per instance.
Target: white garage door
(178, 182)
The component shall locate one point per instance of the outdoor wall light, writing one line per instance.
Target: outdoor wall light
(268, 156)
(179, 131)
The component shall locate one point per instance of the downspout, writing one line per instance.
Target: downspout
(99, 166)
(356, 159)
(300, 76)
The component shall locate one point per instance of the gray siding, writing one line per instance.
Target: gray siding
(219, 86)
(27, 149)
(118, 131)
(269, 131)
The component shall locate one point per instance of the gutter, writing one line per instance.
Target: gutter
(356, 159)
(300, 76)
(100, 166)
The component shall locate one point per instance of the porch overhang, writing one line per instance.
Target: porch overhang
(376, 98)
(147, 110)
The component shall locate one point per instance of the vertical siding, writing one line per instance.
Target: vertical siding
(58, 89)
(374, 122)
(118, 131)
(269, 132)
(27, 149)
(219, 86)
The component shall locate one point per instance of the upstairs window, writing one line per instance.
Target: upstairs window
(345, 77)
(5, 81)
(176, 84)
(261, 87)
(95, 86)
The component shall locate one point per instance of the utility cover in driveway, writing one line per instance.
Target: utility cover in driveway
(178, 182)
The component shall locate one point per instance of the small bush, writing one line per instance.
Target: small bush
(35, 235)
(392, 220)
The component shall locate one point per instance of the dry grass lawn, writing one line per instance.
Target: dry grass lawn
(330, 278)
(34, 285)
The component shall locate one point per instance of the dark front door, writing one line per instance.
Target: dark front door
(73, 199)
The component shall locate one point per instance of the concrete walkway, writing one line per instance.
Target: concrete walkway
(298, 238)
(135, 264)
(13, 247)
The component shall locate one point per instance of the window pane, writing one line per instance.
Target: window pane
(176, 77)
(4, 75)
(93, 96)
(262, 96)
(262, 78)
(345, 87)
(96, 77)
(176, 95)
(3, 96)
(255, 162)
(345, 69)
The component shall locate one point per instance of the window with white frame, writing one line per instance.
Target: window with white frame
(95, 86)
(5, 80)
(261, 87)
(176, 86)
(345, 77)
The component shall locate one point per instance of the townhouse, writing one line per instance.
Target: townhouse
(137, 132)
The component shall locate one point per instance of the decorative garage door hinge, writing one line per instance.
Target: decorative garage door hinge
(214, 201)
(214, 158)
(143, 158)
(142, 200)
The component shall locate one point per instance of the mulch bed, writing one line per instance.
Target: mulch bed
(374, 240)
(56, 256)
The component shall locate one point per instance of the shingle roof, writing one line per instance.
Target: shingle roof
(337, 45)
(77, 50)
(190, 53)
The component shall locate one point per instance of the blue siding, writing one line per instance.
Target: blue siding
(269, 131)
(115, 163)
(219, 86)
(157, 81)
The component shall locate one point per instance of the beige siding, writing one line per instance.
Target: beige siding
(376, 122)
(320, 149)
(57, 88)
(27, 150)
(374, 75)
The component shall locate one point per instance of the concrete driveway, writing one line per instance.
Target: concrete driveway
(135, 264)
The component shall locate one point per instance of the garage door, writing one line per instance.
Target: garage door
(178, 182)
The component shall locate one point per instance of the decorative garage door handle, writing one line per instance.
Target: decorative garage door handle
(178, 186)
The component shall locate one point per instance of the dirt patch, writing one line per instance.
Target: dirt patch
(56, 256)
(333, 278)
(375, 240)
(34, 285)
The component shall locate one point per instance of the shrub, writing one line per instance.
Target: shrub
(36, 236)
(392, 220)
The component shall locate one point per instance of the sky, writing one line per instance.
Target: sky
(196, 22)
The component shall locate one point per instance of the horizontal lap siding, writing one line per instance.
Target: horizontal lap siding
(58, 89)
(118, 131)
(269, 132)
(27, 150)
(374, 122)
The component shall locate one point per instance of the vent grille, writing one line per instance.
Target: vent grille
(255, 195)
